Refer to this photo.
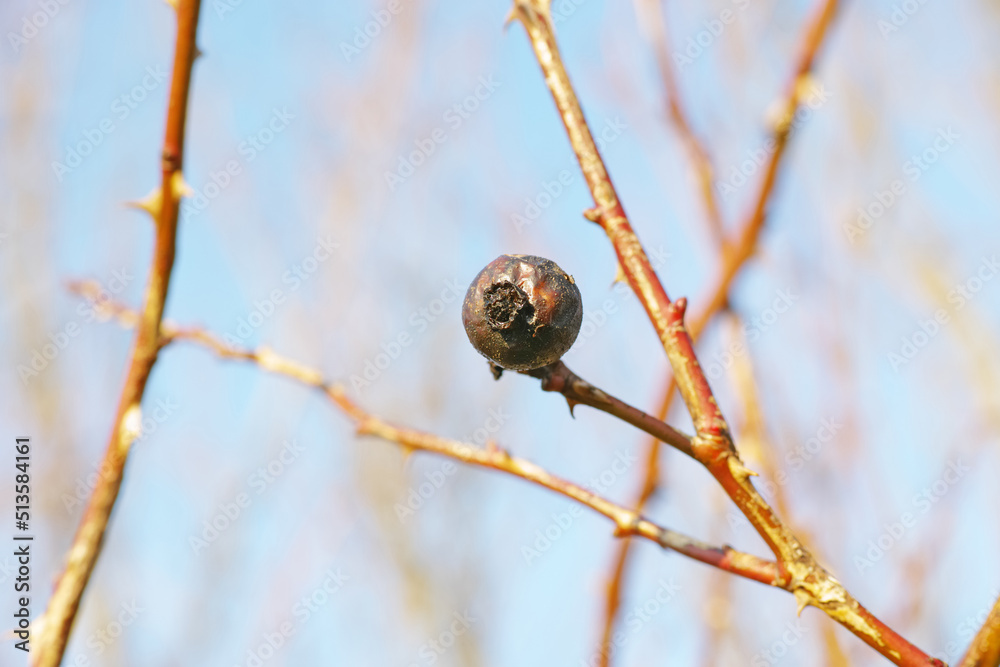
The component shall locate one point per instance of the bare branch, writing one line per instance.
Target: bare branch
(627, 522)
(557, 377)
(57, 621)
(712, 445)
(985, 648)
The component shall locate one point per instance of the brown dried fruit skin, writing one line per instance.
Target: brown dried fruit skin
(522, 312)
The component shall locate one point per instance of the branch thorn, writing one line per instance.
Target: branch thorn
(803, 600)
(620, 276)
(739, 470)
(624, 528)
(572, 404)
(151, 203)
(179, 186)
(511, 16)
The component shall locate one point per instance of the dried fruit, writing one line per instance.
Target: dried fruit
(522, 312)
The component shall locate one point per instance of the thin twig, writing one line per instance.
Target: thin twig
(627, 522)
(57, 621)
(745, 244)
(712, 445)
(985, 648)
(558, 378)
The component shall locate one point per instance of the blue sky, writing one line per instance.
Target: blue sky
(291, 135)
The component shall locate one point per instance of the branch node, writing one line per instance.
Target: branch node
(365, 426)
(629, 525)
(594, 214)
(740, 471)
(131, 429)
(680, 307)
(803, 600)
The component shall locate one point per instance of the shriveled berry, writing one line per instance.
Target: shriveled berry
(522, 312)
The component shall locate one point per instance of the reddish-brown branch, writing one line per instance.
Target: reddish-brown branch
(627, 522)
(57, 622)
(734, 253)
(835, 602)
(558, 378)
(985, 648)
(712, 445)
(610, 215)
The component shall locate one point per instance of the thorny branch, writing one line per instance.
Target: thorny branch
(57, 621)
(985, 648)
(744, 243)
(712, 444)
(558, 378)
(795, 569)
(627, 522)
